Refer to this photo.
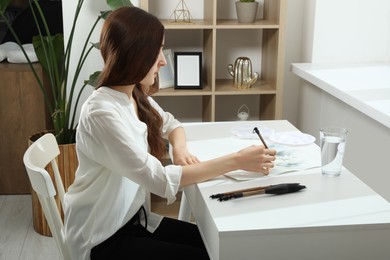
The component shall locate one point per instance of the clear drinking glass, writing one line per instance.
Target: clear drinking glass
(332, 142)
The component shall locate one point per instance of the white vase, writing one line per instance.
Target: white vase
(246, 11)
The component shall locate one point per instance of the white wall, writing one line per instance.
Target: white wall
(351, 31)
(87, 17)
(295, 21)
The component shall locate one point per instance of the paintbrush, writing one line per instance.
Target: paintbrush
(277, 189)
(257, 131)
(218, 195)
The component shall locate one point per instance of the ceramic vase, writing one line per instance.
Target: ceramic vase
(246, 11)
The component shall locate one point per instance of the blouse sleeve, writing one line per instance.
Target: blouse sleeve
(169, 121)
(107, 140)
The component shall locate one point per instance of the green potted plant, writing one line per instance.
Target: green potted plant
(246, 11)
(62, 95)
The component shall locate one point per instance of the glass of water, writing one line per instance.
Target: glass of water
(332, 143)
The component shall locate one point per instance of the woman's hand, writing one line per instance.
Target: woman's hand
(256, 159)
(180, 153)
(181, 156)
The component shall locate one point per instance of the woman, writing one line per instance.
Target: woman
(120, 140)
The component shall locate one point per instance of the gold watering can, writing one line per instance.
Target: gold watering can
(242, 73)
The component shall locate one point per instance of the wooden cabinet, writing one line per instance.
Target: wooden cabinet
(22, 113)
(222, 40)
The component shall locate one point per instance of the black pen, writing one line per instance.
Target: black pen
(256, 130)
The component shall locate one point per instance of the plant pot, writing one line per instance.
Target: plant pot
(246, 11)
(67, 164)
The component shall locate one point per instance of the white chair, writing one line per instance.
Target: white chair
(38, 155)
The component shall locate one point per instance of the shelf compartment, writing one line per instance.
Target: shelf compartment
(268, 14)
(191, 108)
(164, 11)
(260, 107)
(194, 41)
(229, 48)
(227, 107)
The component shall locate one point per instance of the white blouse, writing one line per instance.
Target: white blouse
(115, 173)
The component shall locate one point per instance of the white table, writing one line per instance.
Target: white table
(333, 218)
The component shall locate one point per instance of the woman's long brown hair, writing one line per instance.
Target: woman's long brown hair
(130, 43)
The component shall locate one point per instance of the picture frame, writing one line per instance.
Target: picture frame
(188, 70)
(166, 74)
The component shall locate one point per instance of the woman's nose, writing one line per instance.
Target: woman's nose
(163, 61)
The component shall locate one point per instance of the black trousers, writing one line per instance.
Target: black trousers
(173, 239)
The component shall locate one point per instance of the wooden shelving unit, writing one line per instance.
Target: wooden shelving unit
(268, 33)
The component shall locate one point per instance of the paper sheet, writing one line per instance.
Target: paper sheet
(289, 158)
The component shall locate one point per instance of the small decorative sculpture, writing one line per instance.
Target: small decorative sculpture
(181, 13)
(242, 73)
(243, 112)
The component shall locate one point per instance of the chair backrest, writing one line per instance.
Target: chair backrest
(37, 156)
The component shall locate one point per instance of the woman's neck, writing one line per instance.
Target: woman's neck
(128, 90)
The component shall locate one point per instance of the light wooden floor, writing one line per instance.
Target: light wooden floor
(18, 240)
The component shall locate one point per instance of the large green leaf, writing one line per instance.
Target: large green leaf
(96, 45)
(104, 14)
(3, 5)
(93, 78)
(57, 42)
(115, 4)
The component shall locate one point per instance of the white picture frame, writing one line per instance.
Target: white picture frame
(166, 74)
